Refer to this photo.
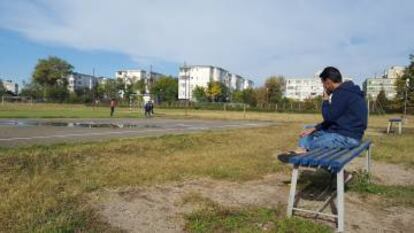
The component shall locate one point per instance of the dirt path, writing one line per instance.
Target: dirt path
(161, 208)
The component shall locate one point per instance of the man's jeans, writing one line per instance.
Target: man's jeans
(323, 139)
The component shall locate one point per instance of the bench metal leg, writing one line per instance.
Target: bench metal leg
(389, 127)
(340, 199)
(368, 160)
(295, 174)
(399, 127)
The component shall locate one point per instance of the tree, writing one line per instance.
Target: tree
(2, 88)
(217, 91)
(57, 93)
(51, 71)
(139, 86)
(32, 89)
(51, 74)
(109, 89)
(274, 89)
(165, 89)
(261, 96)
(405, 85)
(200, 94)
(237, 97)
(382, 100)
(249, 97)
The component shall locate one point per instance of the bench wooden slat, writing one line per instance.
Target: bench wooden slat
(340, 162)
(304, 161)
(326, 161)
(332, 159)
(296, 159)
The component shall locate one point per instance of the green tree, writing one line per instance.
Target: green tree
(382, 100)
(2, 88)
(249, 97)
(32, 89)
(110, 88)
(51, 71)
(405, 85)
(237, 97)
(312, 104)
(261, 96)
(165, 89)
(217, 91)
(139, 86)
(200, 94)
(274, 89)
(57, 93)
(51, 74)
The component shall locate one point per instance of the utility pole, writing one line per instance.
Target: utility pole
(93, 86)
(407, 84)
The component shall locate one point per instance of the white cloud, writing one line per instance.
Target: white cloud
(253, 38)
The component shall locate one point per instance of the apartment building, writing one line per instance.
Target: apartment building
(189, 77)
(304, 88)
(11, 86)
(79, 81)
(386, 82)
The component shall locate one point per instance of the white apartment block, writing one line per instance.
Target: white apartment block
(78, 81)
(132, 76)
(11, 86)
(189, 77)
(304, 88)
(373, 86)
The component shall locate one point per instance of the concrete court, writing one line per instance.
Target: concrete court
(21, 132)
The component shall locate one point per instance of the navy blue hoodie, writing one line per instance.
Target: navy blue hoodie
(346, 113)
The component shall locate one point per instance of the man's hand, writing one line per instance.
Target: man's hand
(325, 95)
(307, 132)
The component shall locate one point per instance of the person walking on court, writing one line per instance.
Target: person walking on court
(113, 105)
(149, 109)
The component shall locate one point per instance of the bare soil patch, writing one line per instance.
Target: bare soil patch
(161, 208)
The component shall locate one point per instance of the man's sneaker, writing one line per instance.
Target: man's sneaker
(284, 157)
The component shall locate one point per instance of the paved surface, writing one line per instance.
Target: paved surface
(16, 132)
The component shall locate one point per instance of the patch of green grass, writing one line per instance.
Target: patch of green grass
(63, 111)
(391, 194)
(249, 220)
(394, 148)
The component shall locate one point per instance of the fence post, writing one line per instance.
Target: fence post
(244, 111)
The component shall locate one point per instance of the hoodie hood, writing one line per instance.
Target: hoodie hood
(350, 87)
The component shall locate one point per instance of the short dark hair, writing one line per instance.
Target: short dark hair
(332, 74)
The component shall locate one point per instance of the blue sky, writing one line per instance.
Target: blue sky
(19, 56)
(253, 38)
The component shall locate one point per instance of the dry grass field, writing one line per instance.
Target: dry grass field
(96, 187)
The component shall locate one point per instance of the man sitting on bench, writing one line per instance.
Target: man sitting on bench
(344, 114)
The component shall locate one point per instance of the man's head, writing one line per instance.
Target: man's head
(331, 78)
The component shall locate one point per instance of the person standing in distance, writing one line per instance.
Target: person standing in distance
(112, 105)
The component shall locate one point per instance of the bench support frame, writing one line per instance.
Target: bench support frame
(339, 216)
(390, 123)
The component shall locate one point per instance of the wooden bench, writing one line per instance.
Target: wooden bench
(397, 121)
(333, 160)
